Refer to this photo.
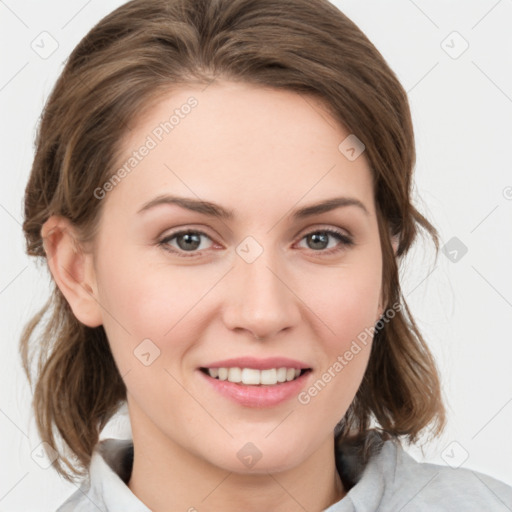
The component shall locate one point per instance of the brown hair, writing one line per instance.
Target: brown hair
(129, 60)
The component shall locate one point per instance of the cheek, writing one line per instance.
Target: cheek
(129, 300)
(147, 319)
(141, 301)
(348, 313)
(349, 306)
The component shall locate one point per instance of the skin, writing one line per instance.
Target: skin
(261, 153)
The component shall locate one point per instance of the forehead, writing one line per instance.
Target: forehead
(238, 143)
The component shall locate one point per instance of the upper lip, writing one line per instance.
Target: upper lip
(258, 364)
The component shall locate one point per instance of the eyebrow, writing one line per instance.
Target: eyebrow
(217, 211)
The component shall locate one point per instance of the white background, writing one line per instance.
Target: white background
(462, 112)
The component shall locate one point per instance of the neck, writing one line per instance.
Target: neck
(165, 476)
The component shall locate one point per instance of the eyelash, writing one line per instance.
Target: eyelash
(346, 241)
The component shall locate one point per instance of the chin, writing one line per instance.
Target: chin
(261, 457)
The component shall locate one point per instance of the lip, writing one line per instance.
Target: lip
(258, 364)
(262, 396)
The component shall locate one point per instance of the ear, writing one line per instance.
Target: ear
(395, 240)
(72, 269)
(380, 310)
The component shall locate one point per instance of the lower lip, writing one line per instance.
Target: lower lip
(258, 396)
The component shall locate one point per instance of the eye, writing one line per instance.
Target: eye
(319, 241)
(186, 241)
(190, 241)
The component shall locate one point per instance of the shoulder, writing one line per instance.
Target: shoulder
(380, 475)
(77, 502)
(106, 488)
(409, 485)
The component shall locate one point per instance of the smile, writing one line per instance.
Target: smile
(255, 377)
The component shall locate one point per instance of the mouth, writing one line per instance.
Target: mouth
(254, 376)
(257, 382)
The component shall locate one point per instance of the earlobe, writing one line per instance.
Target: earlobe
(380, 313)
(72, 269)
(394, 243)
(395, 240)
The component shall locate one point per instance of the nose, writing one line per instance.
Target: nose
(260, 298)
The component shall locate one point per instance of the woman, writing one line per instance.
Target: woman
(222, 192)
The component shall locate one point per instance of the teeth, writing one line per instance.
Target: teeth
(235, 375)
(268, 377)
(250, 376)
(281, 375)
(253, 377)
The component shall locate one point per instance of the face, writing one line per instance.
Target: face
(256, 281)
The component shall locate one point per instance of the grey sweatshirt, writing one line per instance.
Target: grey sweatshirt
(390, 481)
